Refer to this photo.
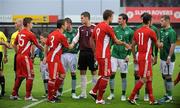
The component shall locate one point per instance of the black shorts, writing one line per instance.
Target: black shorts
(86, 59)
(1, 62)
(15, 62)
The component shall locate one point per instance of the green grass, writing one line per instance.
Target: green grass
(67, 102)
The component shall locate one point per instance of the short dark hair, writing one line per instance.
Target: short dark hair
(166, 17)
(124, 16)
(44, 34)
(107, 14)
(27, 20)
(60, 22)
(145, 13)
(147, 18)
(68, 20)
(86, 14)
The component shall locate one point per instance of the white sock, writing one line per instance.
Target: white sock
(83, 84)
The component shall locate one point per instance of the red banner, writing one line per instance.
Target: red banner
(53, 18)
(134, 13)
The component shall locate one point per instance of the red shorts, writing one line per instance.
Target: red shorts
(24, 66)
(104, 65)
(145, 68)
(55, 68)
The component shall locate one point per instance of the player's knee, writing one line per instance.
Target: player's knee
(123, 75)
(168, 79)
(112, 76)
(1, 73)
(93, 72)
(62, 76)
(73, 76)
(45, 81)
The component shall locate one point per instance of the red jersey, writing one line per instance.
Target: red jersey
(24, 41)
(143, 38)
(56, 40)
(102, 34)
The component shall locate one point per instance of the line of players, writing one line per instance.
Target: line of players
(53, 65)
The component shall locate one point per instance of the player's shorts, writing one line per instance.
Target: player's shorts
(119, 63)
(86, 59)
(44, 71)
(24, 66)
(69, 61)
(55, 68)
(104, 65)
(1, 62)
(145, 68)
(167, 69)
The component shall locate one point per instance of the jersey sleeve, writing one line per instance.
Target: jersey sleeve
(3, 37)
(16, 39)
(135, 37)
(111, 33)
(64, 41)
(48, 41)
(34, 40)
(172, 37)
(153, 36)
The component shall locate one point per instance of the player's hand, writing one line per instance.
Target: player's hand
(155, 60)
(127, 59)
(5, 59)
(128, 46)
(160, 45)
(168, 60)
(44, 60)
(71, 46)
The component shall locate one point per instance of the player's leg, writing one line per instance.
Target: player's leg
(29, 79)
(45, 77)
(124, 71)
(82, 66)
(2, 78)
(104, 72)
(73, 63)
(136, 78)
(114, 64)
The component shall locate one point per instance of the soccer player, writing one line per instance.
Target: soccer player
(3, 59)
(44, 67)
(55, 41)
(154, 58)
(167, 55)
(101, 35)
(120, 55)
(24, 66)
(86, 55)
(69, 57)
(143, 38)
(176, 81)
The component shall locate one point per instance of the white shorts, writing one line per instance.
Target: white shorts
(167, 69)
(69, 60)
(44, 71)
(119, 63)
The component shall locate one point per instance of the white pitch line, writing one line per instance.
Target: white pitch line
(40, 101)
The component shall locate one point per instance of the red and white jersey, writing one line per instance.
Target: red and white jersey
(55, 41)
(102, 34)
(24, 41)
(143, 38)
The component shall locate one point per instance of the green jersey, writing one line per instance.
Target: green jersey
(70, 35)
(123, 34)
(41, 55)
(155, 49)
(168, 37)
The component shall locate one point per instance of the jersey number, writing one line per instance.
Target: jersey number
(141, 38)
(52, 40)
(21, 40)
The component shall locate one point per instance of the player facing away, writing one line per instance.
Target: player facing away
(24, 69)
(143, 38)
(167, 56)
(44, 67)
(120, 55)
(101, 40)
(86, 54)
(69, 57)
(55, 41)
(154, 58)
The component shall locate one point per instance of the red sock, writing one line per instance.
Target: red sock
(58, 83)
(102, 86)
(96, 87)
(29, 84)
(16, 86)
(138, 86)
(150, 91)
(51, 85)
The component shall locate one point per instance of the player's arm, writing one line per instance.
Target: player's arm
(133, 50)
(34, 40)
(93, 43)
(45, 53)
(130, 42)
(75, 40)
(154, 38)
(172, 38)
